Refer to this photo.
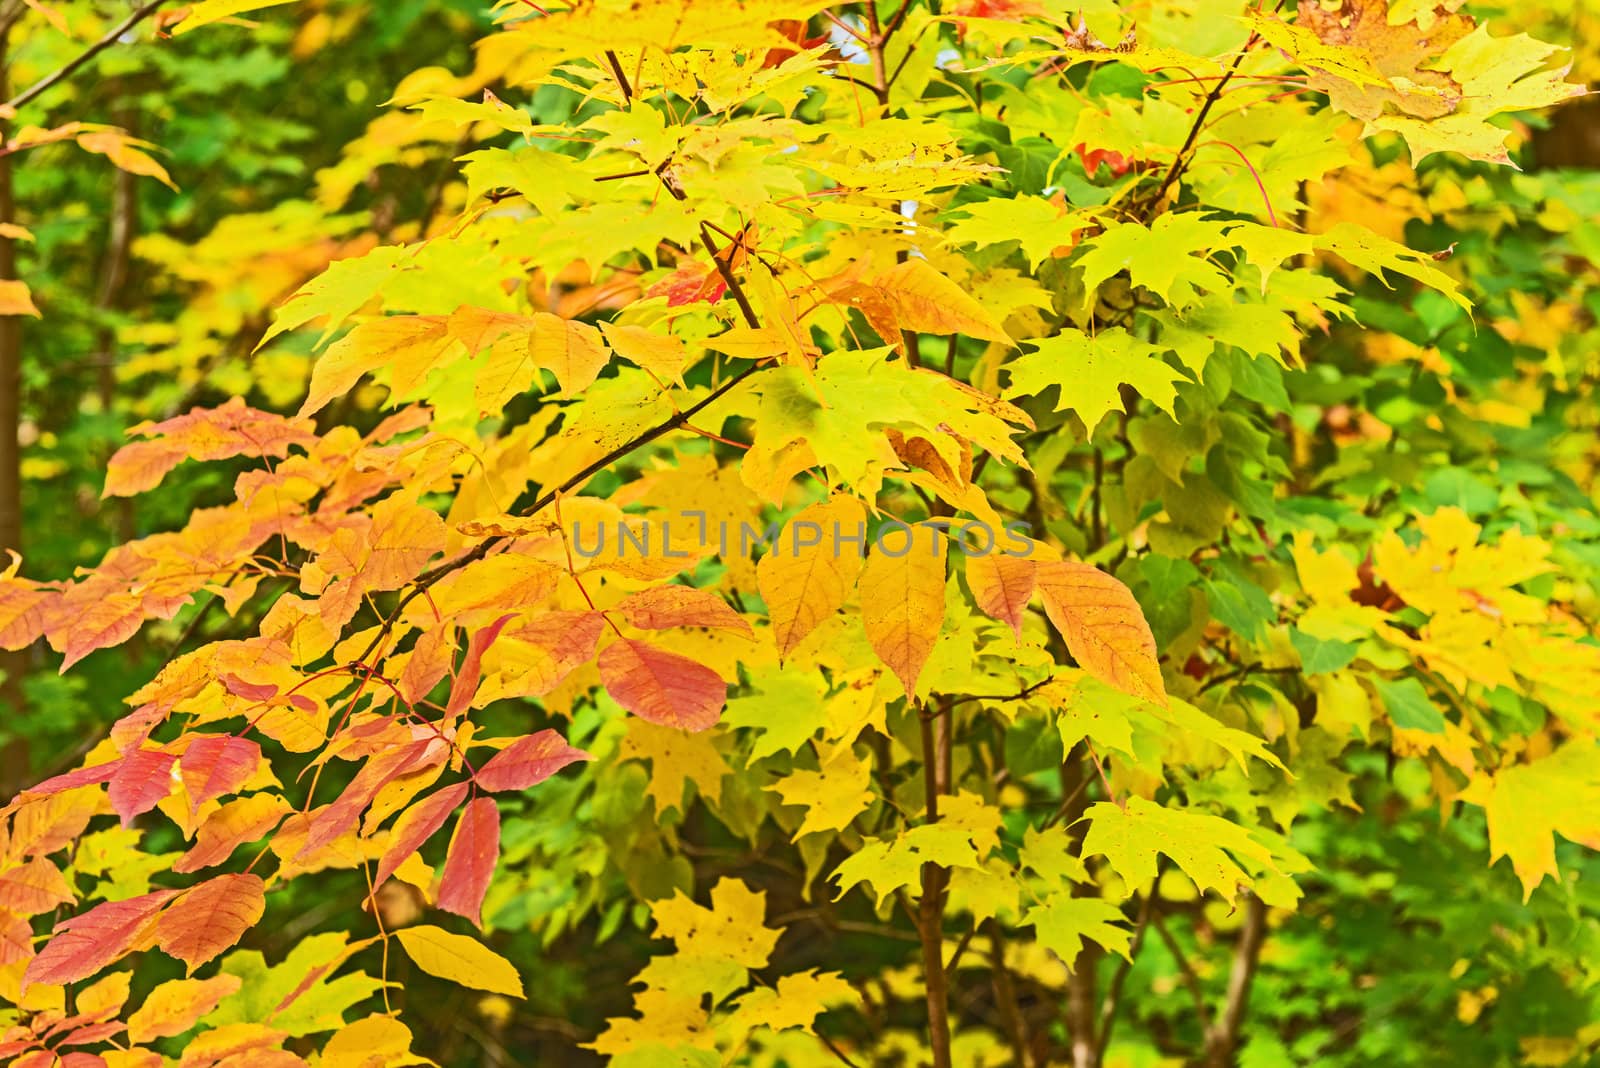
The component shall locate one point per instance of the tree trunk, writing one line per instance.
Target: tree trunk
(14, 756)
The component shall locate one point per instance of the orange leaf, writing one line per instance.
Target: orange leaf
(1104, 628)
(210, 918)
(902, 599)
(247, 819)
(1001, 586)
(528, 761)
(466, 680)
(33, 887)
(232, 429)
(469, 864)
(665, 607)
(662, 687)
(927, 302)
(804, 581)
(16, 299)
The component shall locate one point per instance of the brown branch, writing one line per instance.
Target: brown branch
(1005, 996)
(1113, 999)
(930, 919)
(726, 271)
(111, 37)
(622, 79)
(1187, 972)
(1223, 1039)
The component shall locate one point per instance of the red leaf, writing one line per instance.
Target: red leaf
(214, 765)
(470, 862)
(250, 691)
(415, 826)
(85, 943)
(71, 780)
(210, 918)
(144, 778)
(527, 761)
(662, 687)
(466, 680)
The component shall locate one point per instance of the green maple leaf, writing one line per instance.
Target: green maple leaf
(1089, 369)
(1064, 921)
(1033, 222)
(1160, 257)
(1209, 849)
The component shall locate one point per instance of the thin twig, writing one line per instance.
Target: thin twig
(112, 37)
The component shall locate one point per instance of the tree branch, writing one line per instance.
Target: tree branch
(112, 36)
(1222, 1039)
(930, 919)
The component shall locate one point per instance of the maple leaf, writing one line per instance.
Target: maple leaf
(902, 600)
(1160, 257)
(1207, 848)
(803, 579)
(1033, 222)
(1527, 805)
(1063, 921)
(1089, 371)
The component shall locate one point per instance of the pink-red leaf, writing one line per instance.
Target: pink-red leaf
(466, 680)
(662, 687)
(415, 826)
(528, 761)
(139, 784)
(85, 943)
(210, 918)
(470, 862)
(214, 765)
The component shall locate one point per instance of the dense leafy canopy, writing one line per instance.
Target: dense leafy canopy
(710, 532)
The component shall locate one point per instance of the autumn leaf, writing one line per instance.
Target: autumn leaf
(902, 599)
(214, 765)
(415, 826)
(211, 917)
(461, 960)
(85, 943)
(1103, 626)
(661, 686)
(469, 864)
(804, 578)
